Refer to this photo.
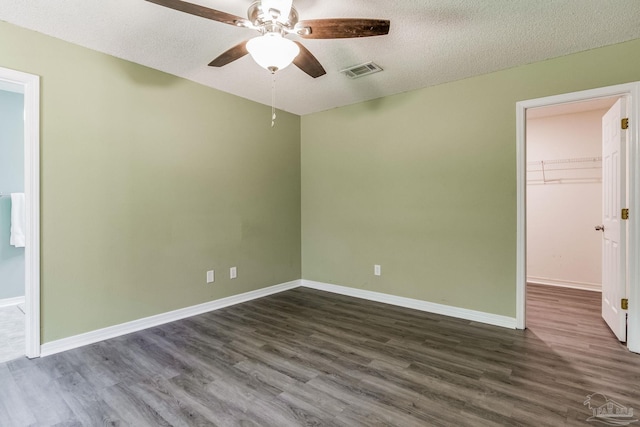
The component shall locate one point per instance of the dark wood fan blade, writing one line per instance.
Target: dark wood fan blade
(342, 28)
(202, 11)
(236, 52)
(308, 63)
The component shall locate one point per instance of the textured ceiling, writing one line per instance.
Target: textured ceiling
(430, 41)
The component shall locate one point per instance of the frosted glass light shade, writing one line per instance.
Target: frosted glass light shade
(272, 51)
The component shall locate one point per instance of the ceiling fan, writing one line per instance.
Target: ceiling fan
(276, 19)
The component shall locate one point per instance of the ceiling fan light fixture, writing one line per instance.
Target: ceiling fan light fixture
(272, 51)
(275, 19)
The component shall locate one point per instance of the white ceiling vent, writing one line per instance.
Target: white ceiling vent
(361, 70)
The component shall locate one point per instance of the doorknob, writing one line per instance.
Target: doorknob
(599, 227)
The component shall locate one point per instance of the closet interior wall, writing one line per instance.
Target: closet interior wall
(564, 199)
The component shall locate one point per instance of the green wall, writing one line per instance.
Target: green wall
(149, 180)
(424, 183)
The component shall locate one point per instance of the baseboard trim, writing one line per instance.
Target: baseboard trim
(446, 310)
(98, 335)
(69, 343)
(594, 287)
(8, 302)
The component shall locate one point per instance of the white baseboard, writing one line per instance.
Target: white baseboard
(585, 286)
(446, 310)
(87, 338)
(7, 302)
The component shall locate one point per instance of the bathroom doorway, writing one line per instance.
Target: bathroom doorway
(19, 215)
(12, 219)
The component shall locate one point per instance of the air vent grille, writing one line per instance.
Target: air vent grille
(361, 70)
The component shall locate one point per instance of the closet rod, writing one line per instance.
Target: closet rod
(562, 161)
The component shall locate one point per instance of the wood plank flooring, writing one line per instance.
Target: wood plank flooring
(305, 357)
(12, 327)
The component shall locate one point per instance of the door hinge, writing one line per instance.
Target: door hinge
(624, 213)
(625, 123)
(624, 304)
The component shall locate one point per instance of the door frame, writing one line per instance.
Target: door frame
(632, 92)
(31, 89)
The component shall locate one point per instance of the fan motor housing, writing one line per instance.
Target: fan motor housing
(257, 17)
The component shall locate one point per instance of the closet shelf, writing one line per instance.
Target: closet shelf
(583, 169)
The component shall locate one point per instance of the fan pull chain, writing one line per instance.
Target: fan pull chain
(273, 100)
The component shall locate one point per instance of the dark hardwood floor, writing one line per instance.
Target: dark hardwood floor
(306, 357)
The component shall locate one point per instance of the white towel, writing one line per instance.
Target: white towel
(18, 220)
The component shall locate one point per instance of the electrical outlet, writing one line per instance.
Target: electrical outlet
(233, 272)
(210, 276)
(376, 270)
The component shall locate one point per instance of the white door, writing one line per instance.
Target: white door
(614, 236)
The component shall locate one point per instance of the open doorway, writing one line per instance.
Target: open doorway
(25, 88)
(564, 202)
(630, 197)
(12, 238)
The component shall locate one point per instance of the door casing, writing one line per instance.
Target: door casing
(632, 92)
(31, 90)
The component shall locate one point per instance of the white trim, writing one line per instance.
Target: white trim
(430, 307)
(521, 224)
(8, 302)
(31, 85)
(633, 319)
(87, 338)
(11, 87)
(633, 91)
(585, 286)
